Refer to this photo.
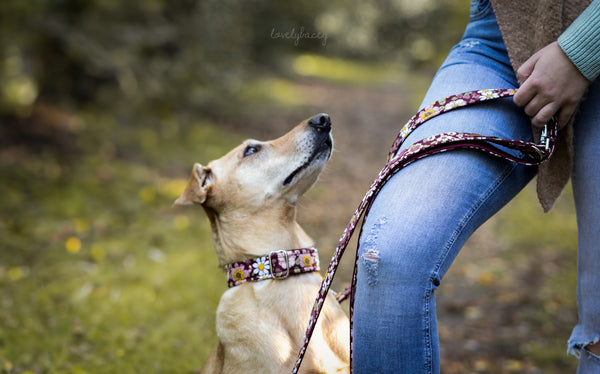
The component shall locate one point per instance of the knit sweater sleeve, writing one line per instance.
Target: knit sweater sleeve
(581, 41)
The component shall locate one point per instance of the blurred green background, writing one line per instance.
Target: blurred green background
(104, 107)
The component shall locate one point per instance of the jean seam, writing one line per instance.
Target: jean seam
(428, 348)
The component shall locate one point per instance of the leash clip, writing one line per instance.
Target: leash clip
(549, 134)
(286, 257)
(545, 138)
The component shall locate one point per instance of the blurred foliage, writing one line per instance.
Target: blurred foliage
(171, 56)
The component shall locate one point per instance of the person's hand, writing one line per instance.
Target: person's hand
(550, 84)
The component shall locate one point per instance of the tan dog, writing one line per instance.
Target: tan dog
(250, 198)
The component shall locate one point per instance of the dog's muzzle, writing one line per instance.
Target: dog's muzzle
(323, 143)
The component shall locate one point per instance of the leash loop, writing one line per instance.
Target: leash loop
(533, 154)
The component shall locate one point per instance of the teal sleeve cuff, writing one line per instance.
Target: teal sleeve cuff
(581, 41)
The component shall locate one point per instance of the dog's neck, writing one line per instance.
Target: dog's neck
(241, 236)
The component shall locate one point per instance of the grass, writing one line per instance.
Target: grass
(98, 273)
(342, 71)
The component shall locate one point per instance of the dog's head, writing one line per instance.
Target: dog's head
(257, 175)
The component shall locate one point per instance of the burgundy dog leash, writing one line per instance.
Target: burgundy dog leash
(533, 154)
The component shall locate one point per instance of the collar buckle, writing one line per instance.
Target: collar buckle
(287, 264)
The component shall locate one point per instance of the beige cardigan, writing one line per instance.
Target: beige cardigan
(527, 26)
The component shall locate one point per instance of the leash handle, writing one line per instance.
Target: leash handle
(533, 154)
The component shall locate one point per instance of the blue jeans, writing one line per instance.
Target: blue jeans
(426, 212)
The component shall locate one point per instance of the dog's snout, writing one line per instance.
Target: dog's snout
(320, 122)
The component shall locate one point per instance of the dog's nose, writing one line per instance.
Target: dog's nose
(320, 122)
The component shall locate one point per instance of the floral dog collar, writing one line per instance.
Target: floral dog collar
(276, 265)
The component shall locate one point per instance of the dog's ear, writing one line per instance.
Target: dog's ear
(199, 186)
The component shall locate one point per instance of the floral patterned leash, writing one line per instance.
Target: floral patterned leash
(532, 154)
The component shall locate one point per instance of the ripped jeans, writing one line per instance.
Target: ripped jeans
(425, 213)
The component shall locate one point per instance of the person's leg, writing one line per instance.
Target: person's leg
(425, 213)
(586, 190)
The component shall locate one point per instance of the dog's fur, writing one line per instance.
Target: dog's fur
(250, 198)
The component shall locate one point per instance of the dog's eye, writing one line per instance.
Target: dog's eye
(251, 149)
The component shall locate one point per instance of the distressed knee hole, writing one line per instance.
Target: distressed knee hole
(371, 260)
(370, 257)
(594, 348)
(576, 348)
